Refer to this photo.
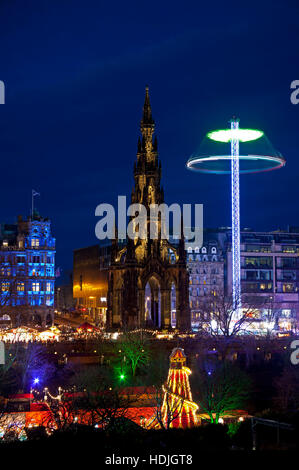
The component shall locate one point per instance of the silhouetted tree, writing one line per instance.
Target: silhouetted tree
(223, 390)
(135, 350)
(32, 362)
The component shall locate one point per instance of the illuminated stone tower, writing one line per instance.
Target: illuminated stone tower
(148, 279)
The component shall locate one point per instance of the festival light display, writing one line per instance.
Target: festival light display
(218, 164)
(178, 409)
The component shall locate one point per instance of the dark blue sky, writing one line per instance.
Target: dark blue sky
(75, 73)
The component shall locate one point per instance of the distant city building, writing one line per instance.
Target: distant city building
(269, 268)
(27, 278)
(206, 276)
(90, 281)
(270, 275)
(64, 300)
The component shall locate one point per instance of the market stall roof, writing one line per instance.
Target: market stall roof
(21, 396)
(88, 326)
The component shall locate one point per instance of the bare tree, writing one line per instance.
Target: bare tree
(8, 378)
(63, 413)
(221, 317)
(287, 389)
(32, 363)
(166, 409)
(101, 401)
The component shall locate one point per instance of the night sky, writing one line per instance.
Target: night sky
(75, 73)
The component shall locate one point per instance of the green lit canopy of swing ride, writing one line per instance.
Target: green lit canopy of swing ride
(243, 135)
(256, 153)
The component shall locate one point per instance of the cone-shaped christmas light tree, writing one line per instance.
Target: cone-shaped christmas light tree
(178, 410)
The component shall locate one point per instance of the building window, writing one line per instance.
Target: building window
(34, 242)
(260, 262)
(288, 288)
(20, 287)
(288, 249)
(5, 244)
(35, 259)
(5, 286)
(288, 262)
(288, 275)
(35, 286)
(266, 286)
(286, 312)
(48, 286)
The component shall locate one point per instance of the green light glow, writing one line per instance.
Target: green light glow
(122, 377)
(243, 135)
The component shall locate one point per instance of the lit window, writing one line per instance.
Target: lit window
(286, 312)
(20, 286)
(288, 288)
(34, 242)
(48, 286)
(5, 243)
(5, 286)
(35, 286)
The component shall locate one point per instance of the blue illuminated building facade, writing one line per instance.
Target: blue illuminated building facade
(27, 272)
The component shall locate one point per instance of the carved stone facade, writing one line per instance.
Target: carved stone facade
(148, 279)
